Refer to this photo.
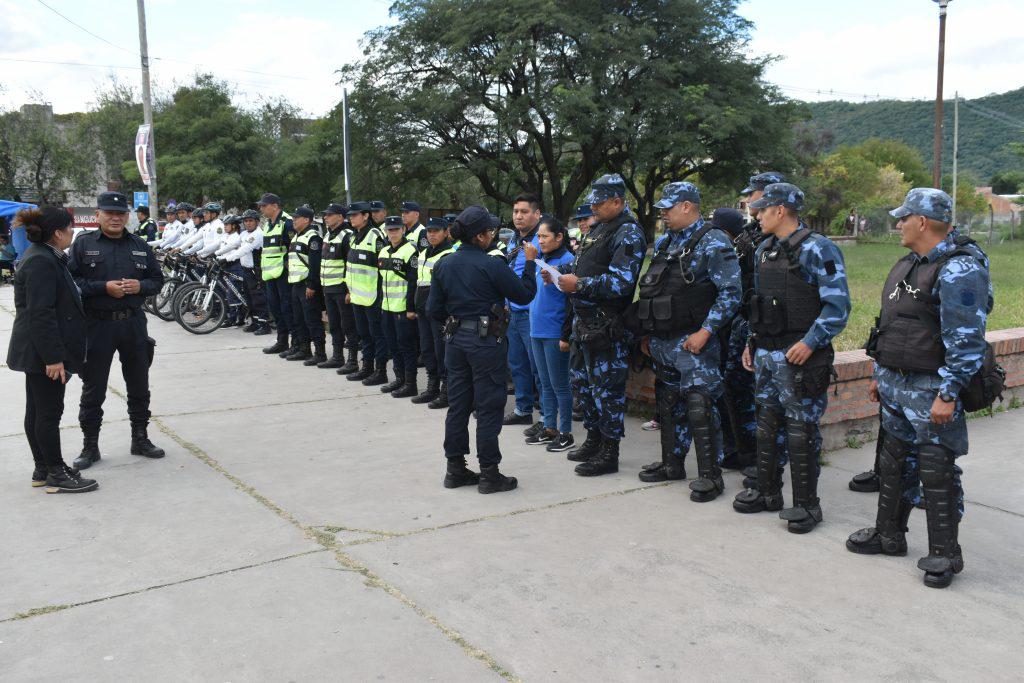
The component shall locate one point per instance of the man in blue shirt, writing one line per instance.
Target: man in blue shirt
(525, 217)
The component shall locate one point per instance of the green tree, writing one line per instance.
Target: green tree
(542, 95)
(898, 154)
(1007, 182)
(112, 122)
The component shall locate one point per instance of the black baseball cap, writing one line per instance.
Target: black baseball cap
(269, 198)
(112, 201)
(335, 208)
(411, 206)
(393, 222)
(436, 224)
(304, 211)
(359, 207)
(377, 205)
(476, 219)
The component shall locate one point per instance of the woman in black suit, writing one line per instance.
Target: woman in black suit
(47, 342)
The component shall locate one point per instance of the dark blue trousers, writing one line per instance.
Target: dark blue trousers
(400, 333)
(371, 333)
(476, 381)
(309, 323)
(279, 301)
(129, 338)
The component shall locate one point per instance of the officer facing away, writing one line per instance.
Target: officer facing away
(690, 292)
(929, 342)
(801, 302)
(115, 272)
(468, 293)
(601, 286)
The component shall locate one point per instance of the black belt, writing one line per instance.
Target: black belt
(122, 314)
(472, 324)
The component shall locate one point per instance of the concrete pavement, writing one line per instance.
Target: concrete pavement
(297, 530)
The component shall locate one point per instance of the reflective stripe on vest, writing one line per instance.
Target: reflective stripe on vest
(332, 263)
(361, 274)
(425, 267)
(394, 286)
(274, 248)
(298, 256)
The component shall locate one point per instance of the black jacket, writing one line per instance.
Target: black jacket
(49, 324)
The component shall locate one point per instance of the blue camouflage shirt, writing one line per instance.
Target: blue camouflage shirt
(965, 300)
(713, 259)
(628, 247)
(821, 264)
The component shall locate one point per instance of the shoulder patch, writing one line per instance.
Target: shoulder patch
(967, 297)
(830, 267)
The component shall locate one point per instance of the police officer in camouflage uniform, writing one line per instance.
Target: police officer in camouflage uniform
(928, 343)
(801, 302)
(689, 293)
(601, 286)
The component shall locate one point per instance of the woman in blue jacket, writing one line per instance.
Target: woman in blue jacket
(550, 326)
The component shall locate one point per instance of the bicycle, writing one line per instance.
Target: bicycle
(201, 307)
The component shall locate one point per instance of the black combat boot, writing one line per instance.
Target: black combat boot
(262, 328)
(409, 388)
(362, 374)
(351, 366)
(63, 479)
(493, 481)
(336, 360)
(766, 493)
(252, 327)
(319, 355)
(945, 558)
(707, 444)
(803, 468)
(865, 482)
(442, 397)
(459, 474)
(588, 449)
(395, 383)
(302, 353)
(280, 345)
(605, 461)
(141, 445)
(291, 350)
(671, 466)
(431, 392)
(888, 536)
(379, 376)
(90, 451)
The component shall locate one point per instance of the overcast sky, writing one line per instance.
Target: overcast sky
(856, 48)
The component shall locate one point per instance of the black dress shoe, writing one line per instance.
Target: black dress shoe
(515, 418)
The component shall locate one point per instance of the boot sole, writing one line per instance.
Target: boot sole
(699, 497)
(503, 489)
(459, 483)
(938, 580)
(800, 527)
(596, 474)
(145, 455)
(869, 550)
(84, 489)
(863, 489)
(38, 484)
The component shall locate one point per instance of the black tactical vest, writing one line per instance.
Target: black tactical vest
(671, 303)
(746, 250)
(784, 306)
(908, 332)
(594, 255)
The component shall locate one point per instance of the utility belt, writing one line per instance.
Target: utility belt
(811, 379)
(494, 325)
(120, 314)
(759, 341)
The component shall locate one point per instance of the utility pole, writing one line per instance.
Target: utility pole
(147, 107)
(937, 151)
(344, 143)
(956, 140)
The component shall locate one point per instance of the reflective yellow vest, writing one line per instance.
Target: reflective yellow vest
(361, 274)
(393, 263)
(332, 263)
(425, 265)
(298, 255)
(274, 248)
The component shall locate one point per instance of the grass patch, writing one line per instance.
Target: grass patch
(868, 264)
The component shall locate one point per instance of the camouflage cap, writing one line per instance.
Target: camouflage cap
(927, 202)
(762, 180)
(673, 193)
(606, 187)
(781, 194)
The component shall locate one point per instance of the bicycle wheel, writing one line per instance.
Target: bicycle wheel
(201, 311)
(163, 299)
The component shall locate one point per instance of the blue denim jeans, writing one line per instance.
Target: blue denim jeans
(521, 361)
(555, 394)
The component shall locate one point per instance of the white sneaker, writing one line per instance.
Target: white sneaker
(650, 426)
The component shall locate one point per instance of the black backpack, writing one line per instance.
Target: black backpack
(986, 384)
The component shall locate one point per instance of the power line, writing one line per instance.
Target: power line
(994, 115)
(46, 61)
(86, 30)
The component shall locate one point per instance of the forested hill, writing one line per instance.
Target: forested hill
(987, 126)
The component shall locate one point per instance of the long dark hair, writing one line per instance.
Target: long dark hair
(41, 223)
(555, 227)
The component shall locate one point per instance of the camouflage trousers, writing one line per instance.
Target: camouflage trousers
(599, 379)
(775, 388)
(736, 405)
(701, 372)
(906, 401)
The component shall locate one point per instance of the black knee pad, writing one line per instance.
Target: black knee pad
(699, 411)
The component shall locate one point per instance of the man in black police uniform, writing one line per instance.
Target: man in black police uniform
(468, 292)
(116, 271)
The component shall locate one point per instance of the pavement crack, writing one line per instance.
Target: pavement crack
(50, 609)
(327, 540)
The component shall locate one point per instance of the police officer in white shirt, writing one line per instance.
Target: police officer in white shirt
(247, 253)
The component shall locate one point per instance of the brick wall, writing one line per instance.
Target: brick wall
(851, 416)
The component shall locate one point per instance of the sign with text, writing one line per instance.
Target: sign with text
(141, 199)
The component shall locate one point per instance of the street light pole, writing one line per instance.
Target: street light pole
(937, 152)
(147, 106)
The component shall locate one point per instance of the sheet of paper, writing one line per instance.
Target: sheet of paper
(552, 271)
